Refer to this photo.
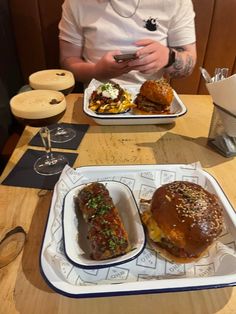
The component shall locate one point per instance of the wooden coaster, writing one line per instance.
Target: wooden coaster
(11, 245)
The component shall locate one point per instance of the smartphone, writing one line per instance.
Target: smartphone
(125, 57)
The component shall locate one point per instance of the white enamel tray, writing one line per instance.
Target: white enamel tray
(177, 109)
(118, 280)
(76, 243)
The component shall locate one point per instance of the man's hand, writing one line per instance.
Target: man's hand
(152, 57)
(107, 68)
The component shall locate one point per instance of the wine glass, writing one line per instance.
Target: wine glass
(39, 108)
(58, 80)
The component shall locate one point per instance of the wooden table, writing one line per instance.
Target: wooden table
(23, 290)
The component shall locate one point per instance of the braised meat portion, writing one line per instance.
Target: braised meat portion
(106, 233)
(149, 106)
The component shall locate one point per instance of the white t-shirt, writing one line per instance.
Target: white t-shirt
(95, 26)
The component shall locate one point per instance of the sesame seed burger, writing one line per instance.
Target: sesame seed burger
(154, 97)
(183, 221)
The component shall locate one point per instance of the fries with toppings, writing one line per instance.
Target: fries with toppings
(110, 98)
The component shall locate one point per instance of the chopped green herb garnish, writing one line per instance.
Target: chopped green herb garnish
(99, 205)
(112, 244)
(108, 232)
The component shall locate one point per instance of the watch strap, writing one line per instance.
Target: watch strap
(171, 58)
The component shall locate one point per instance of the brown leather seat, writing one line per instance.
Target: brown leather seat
(36, 33)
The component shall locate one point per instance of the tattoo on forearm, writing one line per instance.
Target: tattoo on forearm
(183, 66)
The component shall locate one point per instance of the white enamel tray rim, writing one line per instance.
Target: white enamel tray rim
(129, 118)
(142, 287)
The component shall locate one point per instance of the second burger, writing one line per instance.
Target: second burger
(154, 97)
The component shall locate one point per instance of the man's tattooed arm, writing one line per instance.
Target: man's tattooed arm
(185, 60)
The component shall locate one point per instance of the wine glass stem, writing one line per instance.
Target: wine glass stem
(46, 139)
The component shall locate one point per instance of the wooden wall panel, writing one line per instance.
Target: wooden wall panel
(204, 11)
(35, 25)
(27, 31)
(50, 14)
(234, 67)
(10, 78)
(221, 47)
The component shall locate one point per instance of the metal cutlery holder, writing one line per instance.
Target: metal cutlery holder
(222, 133)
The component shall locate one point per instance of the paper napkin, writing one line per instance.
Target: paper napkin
(223, 93)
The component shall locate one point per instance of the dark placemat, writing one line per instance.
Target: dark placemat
(80, 129)
(23, 173)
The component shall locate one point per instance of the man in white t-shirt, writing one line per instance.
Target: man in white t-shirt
(160, 32)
